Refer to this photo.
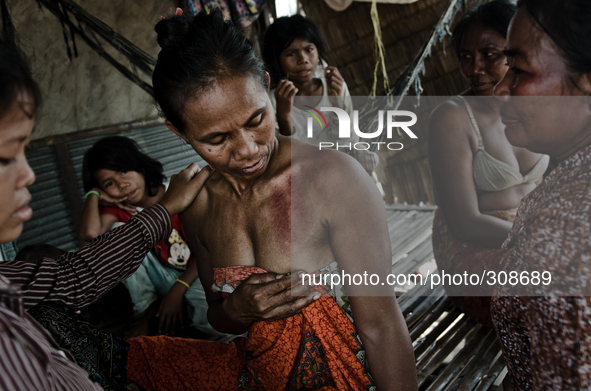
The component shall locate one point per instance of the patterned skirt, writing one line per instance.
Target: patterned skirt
(102, 355)
(455, 256)
(316, 349)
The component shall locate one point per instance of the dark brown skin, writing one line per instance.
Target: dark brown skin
(450, 129)
(556, 127)
(282, 205)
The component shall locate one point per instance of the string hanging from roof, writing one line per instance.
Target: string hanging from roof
(378, 50)
(411, 75)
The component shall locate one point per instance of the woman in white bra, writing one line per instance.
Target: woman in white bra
(479, 178)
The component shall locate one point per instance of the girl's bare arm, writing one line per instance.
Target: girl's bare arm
(92, 223)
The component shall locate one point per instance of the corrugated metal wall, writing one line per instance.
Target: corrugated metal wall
(52, 220)
(7, 251)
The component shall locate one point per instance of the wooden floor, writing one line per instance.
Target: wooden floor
(452, 351)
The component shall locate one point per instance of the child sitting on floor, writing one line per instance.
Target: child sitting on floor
(119, 178)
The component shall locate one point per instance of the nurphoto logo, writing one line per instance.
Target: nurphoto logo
(345, 127)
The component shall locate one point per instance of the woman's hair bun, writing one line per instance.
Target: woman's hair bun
(198, 52)
(172, 31)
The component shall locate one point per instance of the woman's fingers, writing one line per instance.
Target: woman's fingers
(167, 324)
(184, 187)
(279, 89)
(291, 306)
(335, 86)
(262, 278)
(337, 83)
(269, 296)
(173, 319)
(292, 92)
(127, 208)
(272, 297)
(161, 317)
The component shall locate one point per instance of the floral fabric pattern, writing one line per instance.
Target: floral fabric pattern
(546, 340)
(317, 349)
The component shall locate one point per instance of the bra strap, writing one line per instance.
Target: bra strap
(473, 120)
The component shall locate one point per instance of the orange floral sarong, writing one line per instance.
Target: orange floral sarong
(317, 349)
(456, 257)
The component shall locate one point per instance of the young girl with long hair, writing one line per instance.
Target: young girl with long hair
(31, 357)
(119, 178)
(293, 51)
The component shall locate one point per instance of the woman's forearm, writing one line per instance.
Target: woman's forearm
(392, 370)
(390, 356)
(481, 230)
(79, 278)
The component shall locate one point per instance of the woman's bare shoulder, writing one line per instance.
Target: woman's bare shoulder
(449, 124)
(450, 113)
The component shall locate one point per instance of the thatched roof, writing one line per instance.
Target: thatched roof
(350, 38)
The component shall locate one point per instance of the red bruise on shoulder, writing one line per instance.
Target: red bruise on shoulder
(281, 210)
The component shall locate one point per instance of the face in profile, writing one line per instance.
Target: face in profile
(232, 126)
(481, 58)
(299, 60)
(534, 115)
(15, 173)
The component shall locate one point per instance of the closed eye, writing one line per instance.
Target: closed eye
(6, 161)
(256, 121)
(217, 140)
